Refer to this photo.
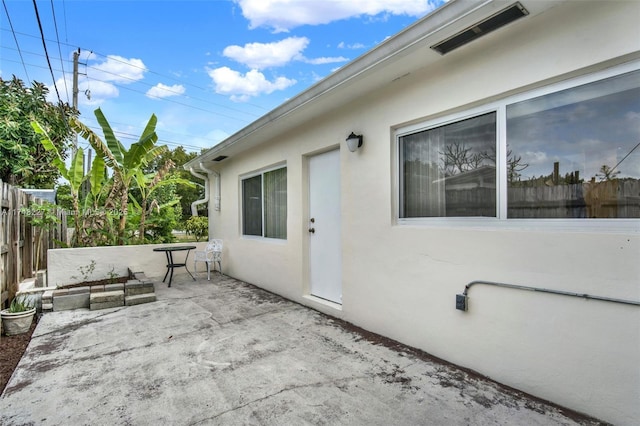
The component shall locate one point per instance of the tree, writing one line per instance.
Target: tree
(188, 192)
(147, 184)
(514, 166)
(198, 226)
(126, 164)
(161, 217)
(24, 161)
(458, 158)
(607, 173)
(43, 217)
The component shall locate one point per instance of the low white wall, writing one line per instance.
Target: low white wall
(64, 265)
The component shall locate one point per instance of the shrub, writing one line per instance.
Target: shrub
(198, 226)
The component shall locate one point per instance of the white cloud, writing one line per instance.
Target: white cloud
(89, 92)
(283, 15)
(325, 60)
(96, 92)
(163, 91)
(264, 55)
(99, 83)
(117, 69)
(241, 87)
(632, 116)
(535, 158)
(342, 45)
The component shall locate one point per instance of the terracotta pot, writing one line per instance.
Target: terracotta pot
(16, 322)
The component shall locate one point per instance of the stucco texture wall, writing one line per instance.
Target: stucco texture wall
(401, 280)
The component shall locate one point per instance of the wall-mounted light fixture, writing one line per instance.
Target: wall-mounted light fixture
(354, 142)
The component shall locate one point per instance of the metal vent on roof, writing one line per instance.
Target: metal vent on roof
(220, 158)
(500, 19)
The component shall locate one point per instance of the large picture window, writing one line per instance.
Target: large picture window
(264, 204)
(571, 153)
(576, 152)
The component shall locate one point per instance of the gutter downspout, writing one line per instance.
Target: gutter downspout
(216, 196)
(194, 205)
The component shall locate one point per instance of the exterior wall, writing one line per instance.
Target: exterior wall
(401, 280)
(65, 263)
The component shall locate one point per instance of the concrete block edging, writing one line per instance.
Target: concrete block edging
(137, 290)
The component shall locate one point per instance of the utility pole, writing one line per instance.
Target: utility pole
(85, 164)
(76, 55)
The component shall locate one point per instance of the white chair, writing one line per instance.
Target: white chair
(211, 254)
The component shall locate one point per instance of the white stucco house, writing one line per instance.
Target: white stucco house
(499, 144)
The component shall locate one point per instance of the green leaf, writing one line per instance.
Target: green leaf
(150, 128)
(97, 175)
(96, 143)
(48, 145)
(169, 204)
(76, 170)
(116, 148)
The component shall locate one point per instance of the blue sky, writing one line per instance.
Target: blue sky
(205, 68)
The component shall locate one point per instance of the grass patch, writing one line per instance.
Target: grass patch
(185, 238)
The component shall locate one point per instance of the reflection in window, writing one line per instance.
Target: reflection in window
(252, 206)
(576, 153)
(450, 170)
(264, 204)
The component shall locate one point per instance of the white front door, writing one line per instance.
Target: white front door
(325, 252)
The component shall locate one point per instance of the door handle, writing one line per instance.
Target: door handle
(312, 230)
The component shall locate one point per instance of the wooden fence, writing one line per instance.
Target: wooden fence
(19, 240)
(616, 198)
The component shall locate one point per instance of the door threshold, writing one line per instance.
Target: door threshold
(323, 302)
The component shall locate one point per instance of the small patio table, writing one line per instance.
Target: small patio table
(171, 265)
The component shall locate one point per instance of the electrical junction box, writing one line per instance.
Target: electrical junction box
(461, 302)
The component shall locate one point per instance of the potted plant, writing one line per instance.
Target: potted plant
(18, 317)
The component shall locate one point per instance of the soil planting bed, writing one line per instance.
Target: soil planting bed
(11, 350)
(98, 282)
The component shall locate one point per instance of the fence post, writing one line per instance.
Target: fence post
(17, 239)
(5, 248)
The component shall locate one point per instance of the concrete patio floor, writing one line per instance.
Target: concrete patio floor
(225, 352)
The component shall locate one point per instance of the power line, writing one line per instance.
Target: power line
(625, 157)
(124, 77)
(160, 98)
(172, 101)
(151, 72)
(16, 40)
(131, 136)
(64, 12)
(93, 119)
(163, 76)
(44, 44)
(55, 25)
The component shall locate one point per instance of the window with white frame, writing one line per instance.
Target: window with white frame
(450, 170)
(264, 204)
(569, 153)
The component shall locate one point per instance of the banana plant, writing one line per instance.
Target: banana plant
(97, 222)
(74, 173)
(126, 165)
